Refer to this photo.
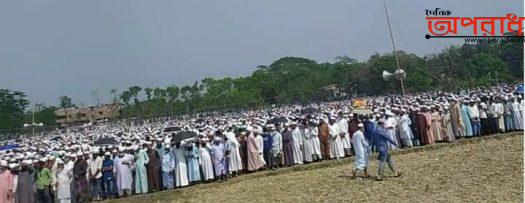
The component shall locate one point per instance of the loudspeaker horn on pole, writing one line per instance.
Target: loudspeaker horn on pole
(398, 74)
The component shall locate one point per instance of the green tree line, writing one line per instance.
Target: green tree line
(295, 79)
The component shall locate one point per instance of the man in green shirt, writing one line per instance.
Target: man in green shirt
(43, 181)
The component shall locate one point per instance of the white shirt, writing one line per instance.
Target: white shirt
(343, 125)
(95, 165)
(333, 130)
(473, 111)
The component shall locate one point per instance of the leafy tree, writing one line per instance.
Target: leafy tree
(134, 90)
(125, 97)
(12, 107)
(66, 102)
(148, 93)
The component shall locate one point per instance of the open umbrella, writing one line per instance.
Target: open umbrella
(171, 129)
(277, 120)
(106, 141)
(183, 135)
(200, 120)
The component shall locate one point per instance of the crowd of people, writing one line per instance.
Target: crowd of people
(67, 166)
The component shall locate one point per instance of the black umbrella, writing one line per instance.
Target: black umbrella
(309, 111)
(200, 120)
(171, 129)
(106, 141)
(277, 120)
(183, 135)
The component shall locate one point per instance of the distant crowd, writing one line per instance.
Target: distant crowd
(146, 157)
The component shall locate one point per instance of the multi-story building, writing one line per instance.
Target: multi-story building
(81, 115)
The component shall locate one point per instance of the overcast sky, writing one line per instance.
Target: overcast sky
(50, 48)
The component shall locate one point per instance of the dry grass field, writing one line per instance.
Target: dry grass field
(488, 169)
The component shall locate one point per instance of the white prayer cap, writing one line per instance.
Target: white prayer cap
(79, 153)
(114, 151)
(59, 161)
(360, 125)
(3, 163)
(107, 153)
(43, 159)
(249, 128)
(51, 158)
(13, 165)
(121, 149)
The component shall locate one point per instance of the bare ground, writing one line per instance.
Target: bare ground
(488, 169)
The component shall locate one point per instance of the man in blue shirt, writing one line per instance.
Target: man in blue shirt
(107, 175)
(267, 147)
(380, 140)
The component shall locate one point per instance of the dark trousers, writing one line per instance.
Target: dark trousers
(268, 158)
(486, 127)
(495, 124)
(95, 188)
(43, 195)
(476, 127)
(388, 161)
(108, 190)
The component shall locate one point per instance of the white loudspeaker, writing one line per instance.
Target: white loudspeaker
(398, 74)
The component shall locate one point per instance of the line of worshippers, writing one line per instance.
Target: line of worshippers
(83, 173)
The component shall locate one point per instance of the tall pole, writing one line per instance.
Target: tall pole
(33, 123)
(394, 47)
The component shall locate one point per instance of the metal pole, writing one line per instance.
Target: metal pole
(394, 47)
(33, 123)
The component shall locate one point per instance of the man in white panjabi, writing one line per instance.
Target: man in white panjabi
(316, 143)
(343, 129)
(123, 166)
(260, 144)
(391, 124)
(297, 144)
(361, 149)
(336, 145)
(205, 162)
(235, 163)
(307, 144)
(63, 180)
(181, 168)
(405, 132)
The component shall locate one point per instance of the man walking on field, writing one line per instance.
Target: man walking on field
(379, 140)
(361, 150)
